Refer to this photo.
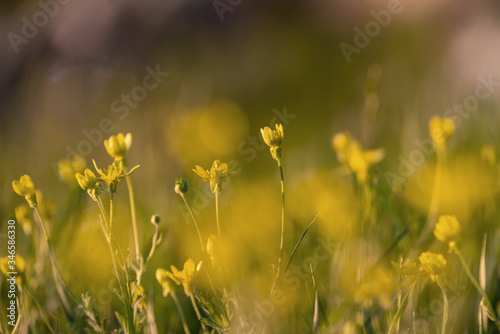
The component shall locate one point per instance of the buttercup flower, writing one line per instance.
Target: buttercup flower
(351, 154)
(89, 182)
(23, 216)
(138, 295)
(273, 139)
(113, 174)
(433, 264)
(448, 230)
(117, 146)
(186, 276)
(7, 265)
(441, 130)
(217, 174)
(68, 168)
(164, 280)
(25, 187)
(181, 185)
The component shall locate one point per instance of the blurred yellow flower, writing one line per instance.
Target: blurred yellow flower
(216, 175)
(433, 264)
(47, 207)
(164, 280)
(488, 154)
(378, 285)
(89, 182)
(441, 130)
(211, 249)
(117, 146)
(351, 154)
(186, 276)
(68, 168)
(19, 268)
(273, 139)
(409, 270)
(138, 295)
(23, 216)
(448, 230)
(25, 187)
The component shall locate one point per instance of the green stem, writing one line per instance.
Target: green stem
(54, 261)
(474, 282)
(181, 312)
(197, 311)
(282, 218)
(202, 244)
(134, 221)
(445, 308)
(107, 235)
(217, 210)
(40, 308)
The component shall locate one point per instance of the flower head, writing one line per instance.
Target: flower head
(89, 182)
(273, 139)
(25, 187)
(117, 146)
(164, 280)
(448, 230)
(18, 265)
(138, 295)
(23, 216)
(433, 264)
(67, 168)
(186, 276)
(441, 130)
(216, 175)
(113, 174)
(351, 154)
(181, 185)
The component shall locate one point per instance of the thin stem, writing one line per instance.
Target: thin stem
(282, 219)
(217, 209)
(134, 221)
(107, 235)
(445, 308)
(486, 301)
(54, 261)
(181, 312)
(202, 245)
(110, 212)
(197, 311)
(40, 308)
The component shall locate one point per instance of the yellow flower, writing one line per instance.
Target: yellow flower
(409, 270)
(181, 185)
(117, 146)
(164, 280)
(273, 139)
(351, 154)
(68, 168)
(433, 264)
(186, 276)
(441, 130)
(7, 265)
(216, 175)
(23, 216)
(90, 183)
(113, 174)
(138, 295)
(448, 230)
(25, 187)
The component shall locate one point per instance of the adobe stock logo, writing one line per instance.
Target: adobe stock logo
(40, 19)
(362, 39)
